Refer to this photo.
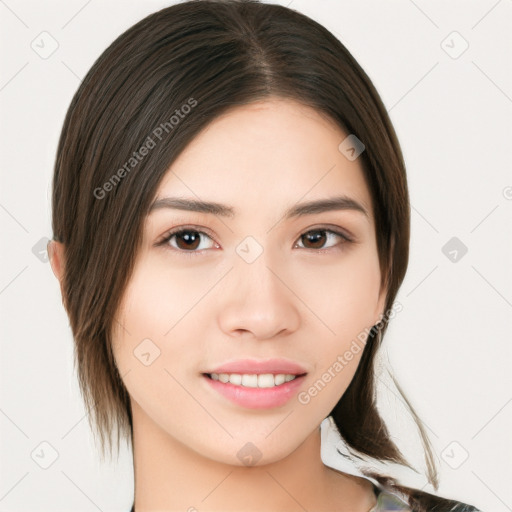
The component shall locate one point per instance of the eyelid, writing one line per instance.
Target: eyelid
(343, 232)
(173, 231)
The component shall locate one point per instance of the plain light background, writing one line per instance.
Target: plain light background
(443, 72)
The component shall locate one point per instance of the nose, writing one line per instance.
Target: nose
(258, 302)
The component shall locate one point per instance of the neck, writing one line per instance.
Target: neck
(170, 476)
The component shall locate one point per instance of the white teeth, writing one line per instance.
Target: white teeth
(249, 381)
(235, 379)
(279, 379)
(264, 380)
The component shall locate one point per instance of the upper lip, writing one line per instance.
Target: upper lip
(255, 366)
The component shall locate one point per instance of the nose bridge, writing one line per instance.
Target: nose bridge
(255, 270)
(258, 301)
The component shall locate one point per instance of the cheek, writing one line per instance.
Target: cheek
(157, 299)
(149, 344)
(343, 303)
(158, 333)
(341, 293)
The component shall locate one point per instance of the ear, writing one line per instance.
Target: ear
(57, 261)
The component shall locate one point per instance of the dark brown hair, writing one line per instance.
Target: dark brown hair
(175, 71)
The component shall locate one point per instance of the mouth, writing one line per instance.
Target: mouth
(247, 380)
(255, 391)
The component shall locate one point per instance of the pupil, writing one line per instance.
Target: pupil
(190, 239)
(316, 236)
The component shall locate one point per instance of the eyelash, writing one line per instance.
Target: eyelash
(178, 231)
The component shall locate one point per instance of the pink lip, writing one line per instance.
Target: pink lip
(257, 398)
(255, 367)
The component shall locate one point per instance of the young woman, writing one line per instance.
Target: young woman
(231, 228)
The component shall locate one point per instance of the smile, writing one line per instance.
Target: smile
(255, 391)
(263, 380)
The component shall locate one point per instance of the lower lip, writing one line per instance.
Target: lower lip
(257, 398)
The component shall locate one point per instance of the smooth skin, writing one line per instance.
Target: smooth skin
(300, 299)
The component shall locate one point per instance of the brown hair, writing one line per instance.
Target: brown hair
(210, 56)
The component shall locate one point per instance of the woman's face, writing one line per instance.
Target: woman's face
(256, 284)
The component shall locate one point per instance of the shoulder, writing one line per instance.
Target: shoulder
(417, 501)
(387, 500)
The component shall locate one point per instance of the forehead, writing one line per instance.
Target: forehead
(264, 155)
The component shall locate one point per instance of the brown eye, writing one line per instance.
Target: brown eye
(316, 239)
(186, 240)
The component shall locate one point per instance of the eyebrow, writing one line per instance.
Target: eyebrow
(298, 210)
